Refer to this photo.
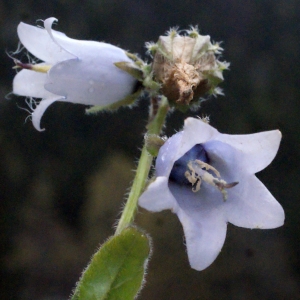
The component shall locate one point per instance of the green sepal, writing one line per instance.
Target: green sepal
(151, 84)
(128, 100)
(130, 69)
(153, 143)
(116, 271)
(137, 61)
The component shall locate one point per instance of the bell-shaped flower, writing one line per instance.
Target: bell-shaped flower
(207, 179)
(71, 70)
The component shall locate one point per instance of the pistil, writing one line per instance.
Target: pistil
(42, 68)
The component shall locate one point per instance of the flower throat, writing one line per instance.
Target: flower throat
(193, 168)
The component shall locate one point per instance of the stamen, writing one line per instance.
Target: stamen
(207, 167)
(194, 179)
(198, 172)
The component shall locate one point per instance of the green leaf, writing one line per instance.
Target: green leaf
(117, 270)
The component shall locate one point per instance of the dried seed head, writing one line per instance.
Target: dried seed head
(187, 67)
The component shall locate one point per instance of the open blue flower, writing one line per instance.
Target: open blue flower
(72, 70)
(207, 179)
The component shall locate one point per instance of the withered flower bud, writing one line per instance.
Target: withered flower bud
(186, 66)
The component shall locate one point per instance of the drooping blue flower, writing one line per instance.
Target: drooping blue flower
(72, 70)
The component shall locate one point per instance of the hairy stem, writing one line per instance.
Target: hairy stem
(154, 127)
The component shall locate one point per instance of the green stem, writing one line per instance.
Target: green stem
(139, 182)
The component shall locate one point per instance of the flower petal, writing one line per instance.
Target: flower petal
(251, 205)
(48, 26)
(204, 236)
(38, 42)
(226, 159)
(204, 222)
(56, 47)
(196, 132)
(158, 197)
(93, 81)
(168, 154)
(31, 84)
(258, 149)
(40, 109)
(84, 49)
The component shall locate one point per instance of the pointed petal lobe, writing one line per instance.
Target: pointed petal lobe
(39, 43)
(39, 111)
(158, 197)
(251, 205)
(204, 236)
(258, 149)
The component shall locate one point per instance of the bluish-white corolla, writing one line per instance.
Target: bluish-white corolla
(207, 179)
(71, 70)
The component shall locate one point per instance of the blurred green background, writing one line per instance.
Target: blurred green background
(61, 190)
